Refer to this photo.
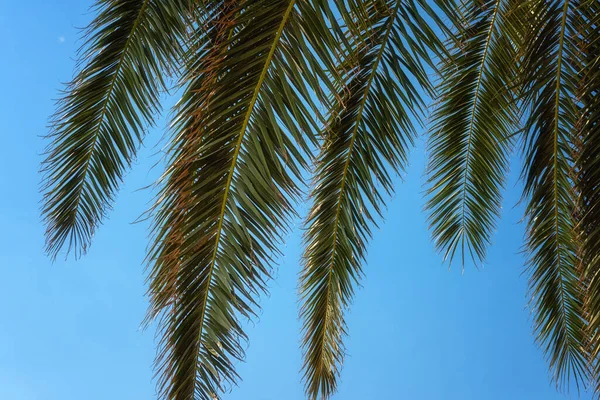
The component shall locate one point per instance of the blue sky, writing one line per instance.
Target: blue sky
(70, 329)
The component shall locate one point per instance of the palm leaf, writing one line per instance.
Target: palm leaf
(586, 19)
(470, 136)
(369, 130)
(101, 118)
(241, 131)
(550, 75)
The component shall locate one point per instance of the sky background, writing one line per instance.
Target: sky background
(71, 329)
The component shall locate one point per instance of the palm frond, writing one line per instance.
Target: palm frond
(473, 122)
(242, 128)
(550, 75)
(368, 135)
(101, 118)
(586, 19)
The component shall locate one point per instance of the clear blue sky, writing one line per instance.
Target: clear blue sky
(70, 330)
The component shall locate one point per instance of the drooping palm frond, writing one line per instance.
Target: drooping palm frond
(586, 19)
(255, 75)
(367, 137)
(101, 118)
(550, 77)
(473, 122)
(241, 129)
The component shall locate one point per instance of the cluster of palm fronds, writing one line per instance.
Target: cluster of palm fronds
(274, 91)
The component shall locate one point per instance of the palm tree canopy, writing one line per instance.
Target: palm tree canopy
(277, 95)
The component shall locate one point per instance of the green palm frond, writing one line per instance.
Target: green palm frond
(256, 76)
(241, 129)
(550, 75)
(370, 130)
(473, 122)
(101, 118)
(586, 17)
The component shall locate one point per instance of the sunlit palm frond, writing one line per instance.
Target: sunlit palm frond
(241, 130)
(100, 120)
(550, 75)
(368, 136)
(473, 122)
